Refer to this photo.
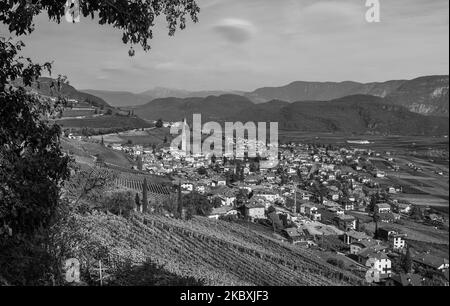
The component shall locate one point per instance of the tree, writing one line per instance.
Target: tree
(135, 18)
(202, 171)
(242, 197)
(144, 196)
(320, 191)
(253, 166)
(119, 203)
(88, 185)
(407, 261)
(32, 166)
(284, 179)
(216, 202)
(139, 162)
(196, 204)
(137, 201)
(159, 123)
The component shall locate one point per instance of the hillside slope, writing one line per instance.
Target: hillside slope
(425, 95)
(322, 91)
(358, 114)
(87, 150)
(120, 98)
(105, 122)
(43, 87)
(212, 108)
(127, 99)
(216, 252)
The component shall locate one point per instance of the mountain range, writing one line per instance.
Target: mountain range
(415, 107)
(126, 99)
(322, 91)
(424, 95)
(358, 114)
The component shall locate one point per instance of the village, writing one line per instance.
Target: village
(332, 199)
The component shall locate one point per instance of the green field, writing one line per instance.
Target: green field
(89, 150)
(378, 142)
(105, 122)
(146, 137)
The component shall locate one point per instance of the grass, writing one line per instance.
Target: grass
(89, 149)
(105, 122)
(147, 137)
(417, 231)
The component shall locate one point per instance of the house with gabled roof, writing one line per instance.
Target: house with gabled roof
(405, 280)
(222, 211)
(255, 211)
(431, 261)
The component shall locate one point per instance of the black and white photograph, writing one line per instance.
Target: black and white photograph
(247, 145)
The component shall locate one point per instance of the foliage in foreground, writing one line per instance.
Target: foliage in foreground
(32, 166)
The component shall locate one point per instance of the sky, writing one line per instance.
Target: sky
(247, 44)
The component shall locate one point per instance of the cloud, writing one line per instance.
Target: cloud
(235, 30)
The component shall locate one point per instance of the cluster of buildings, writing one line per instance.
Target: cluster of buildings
(314, 192)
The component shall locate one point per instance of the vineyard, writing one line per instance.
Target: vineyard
(215, 252)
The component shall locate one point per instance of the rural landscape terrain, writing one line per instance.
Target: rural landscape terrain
(202, 220)
(106, 187)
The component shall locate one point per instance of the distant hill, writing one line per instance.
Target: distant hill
(321, 91)
(352, 114)
(120, 98)
(425, 95)
(212, 107)
(359, 114)
(43, 87)
(162, 92)
(127, 99)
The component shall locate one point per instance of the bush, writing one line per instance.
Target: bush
(159, 123)
(119, 203)
(335, 262)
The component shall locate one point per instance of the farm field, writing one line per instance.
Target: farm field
(69, 113)
(89, 150)
(217, 252)
(424, 188)
(105, 122)
(138, 136)
(377, 142)
(418, 232)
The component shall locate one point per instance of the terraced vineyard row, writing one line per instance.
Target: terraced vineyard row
(129, 180)
(218, 252)
(259, 245)
(137, 183)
